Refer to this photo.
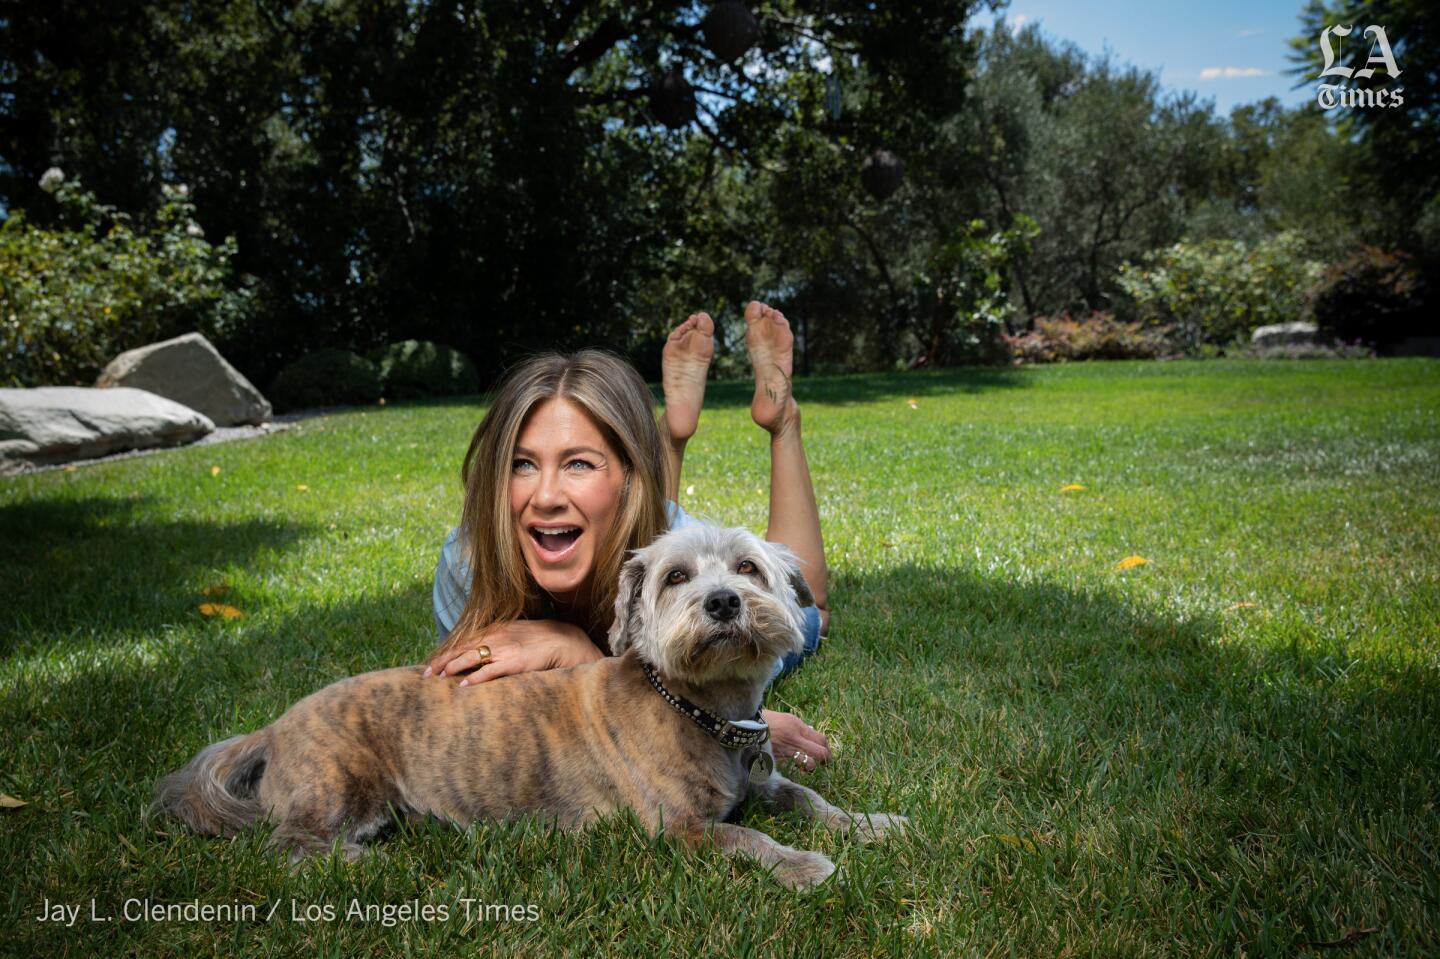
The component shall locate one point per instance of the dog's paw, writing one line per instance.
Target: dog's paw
(803, 870)
(869, 827)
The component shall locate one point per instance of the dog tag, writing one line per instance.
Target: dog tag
(761, 767)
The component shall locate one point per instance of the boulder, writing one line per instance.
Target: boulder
(1285, 334)
(53, 424)
(190, 371)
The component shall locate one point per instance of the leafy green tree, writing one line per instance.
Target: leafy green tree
(492, 177)
(1402, 144)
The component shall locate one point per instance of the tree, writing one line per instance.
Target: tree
(1402, 162)
(488, 175)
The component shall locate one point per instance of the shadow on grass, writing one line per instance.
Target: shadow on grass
(1280, 721)
(98, 562)
(1070, 703)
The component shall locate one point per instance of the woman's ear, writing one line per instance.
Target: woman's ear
(628, 619)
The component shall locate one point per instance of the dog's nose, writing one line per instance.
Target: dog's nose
(723, 605)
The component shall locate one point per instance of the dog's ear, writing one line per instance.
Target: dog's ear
(803, 596)
(790, 563)
(628, 620)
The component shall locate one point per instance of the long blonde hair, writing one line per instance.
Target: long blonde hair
(618, 401)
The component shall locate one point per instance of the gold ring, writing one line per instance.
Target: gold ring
(484, 652)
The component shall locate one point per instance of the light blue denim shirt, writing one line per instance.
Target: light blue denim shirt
(452, 585)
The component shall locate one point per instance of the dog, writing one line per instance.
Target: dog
(668, 726)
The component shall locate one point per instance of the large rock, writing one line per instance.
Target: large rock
(1299, 333)
(53, 424)
(189, 370)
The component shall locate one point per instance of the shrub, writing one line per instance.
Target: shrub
(1215, 293)
(1099, 337)
(326, 378)
(1372, 297)
(72, 298)
(963, 289)
(416, 368)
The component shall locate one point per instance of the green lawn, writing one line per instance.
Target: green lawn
(1234, 749)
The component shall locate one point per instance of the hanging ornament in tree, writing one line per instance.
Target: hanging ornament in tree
(882, 173)
(672, 99)
(729, 30)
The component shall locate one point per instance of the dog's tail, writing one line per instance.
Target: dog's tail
(215, 793)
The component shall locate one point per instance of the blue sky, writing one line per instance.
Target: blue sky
(1229, 51)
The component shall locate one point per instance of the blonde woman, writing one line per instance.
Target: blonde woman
(569, 471)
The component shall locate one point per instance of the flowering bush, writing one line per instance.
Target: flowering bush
(1217, 292)
(1099, 337)
(72, 298)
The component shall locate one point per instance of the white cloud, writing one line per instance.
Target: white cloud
(1232, 73)
(1016, 22)
(1249, 33)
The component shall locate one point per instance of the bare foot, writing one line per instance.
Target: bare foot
(771, 346)
(683, 365)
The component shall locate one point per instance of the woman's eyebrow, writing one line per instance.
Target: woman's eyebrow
(571, 451)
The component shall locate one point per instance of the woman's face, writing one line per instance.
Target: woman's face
(565, 485)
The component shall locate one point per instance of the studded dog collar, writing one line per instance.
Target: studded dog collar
(739, 734)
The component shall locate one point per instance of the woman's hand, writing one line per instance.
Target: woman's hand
(795, 742)
(519, 646)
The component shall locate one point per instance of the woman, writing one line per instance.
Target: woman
(569, 471)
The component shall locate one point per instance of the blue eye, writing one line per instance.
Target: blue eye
(584, 464)
(521, 465)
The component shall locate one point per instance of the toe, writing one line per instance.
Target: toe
(754, 310)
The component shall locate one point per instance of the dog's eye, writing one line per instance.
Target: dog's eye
(676, 577)
(746, 568)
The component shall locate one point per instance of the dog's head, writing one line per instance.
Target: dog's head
(703, 603)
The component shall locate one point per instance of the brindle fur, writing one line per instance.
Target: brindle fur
(570, 744)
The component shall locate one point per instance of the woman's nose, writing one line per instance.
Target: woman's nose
(550, 493)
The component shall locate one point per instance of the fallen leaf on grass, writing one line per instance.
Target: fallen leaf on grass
(10, 802)
(220, 609)
(1019, 842)
(1130, 562)
(220, 589)
(301, 487)
(1071, 488)
(214, 471)
(912, 404)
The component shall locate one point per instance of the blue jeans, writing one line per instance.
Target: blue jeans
(792, 661)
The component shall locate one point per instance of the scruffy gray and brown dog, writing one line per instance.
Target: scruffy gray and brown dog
(669, 727)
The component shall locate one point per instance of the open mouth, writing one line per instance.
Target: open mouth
(554, 542)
